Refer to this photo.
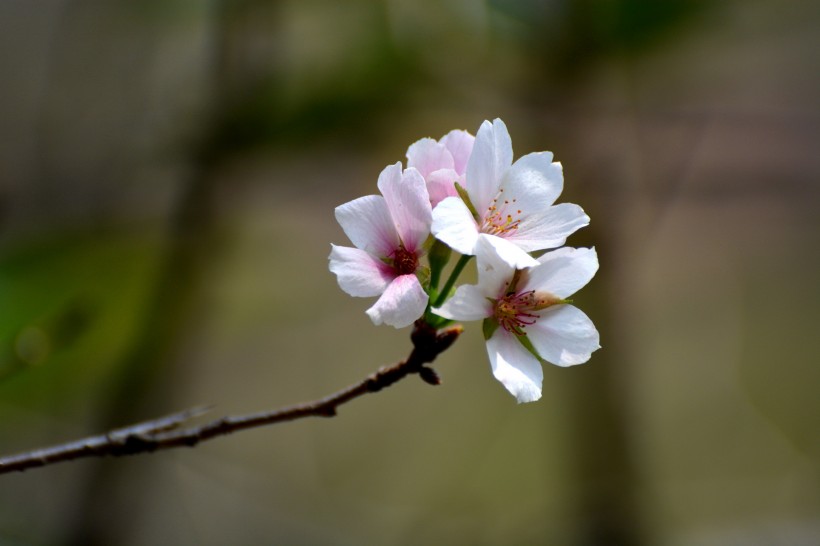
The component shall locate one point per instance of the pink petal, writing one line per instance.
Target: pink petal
(460, 144)
(441, 185)
(427, 155)
(402, 303)
(409, 204)
(359, 273)
(367, 223)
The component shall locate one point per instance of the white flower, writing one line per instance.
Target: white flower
(442, 163)
(529, 306)
(388, 231)
(512, 203)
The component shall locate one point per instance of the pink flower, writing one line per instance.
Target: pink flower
(509, 205)
(527, 316)
(442, 163)
(388, 232)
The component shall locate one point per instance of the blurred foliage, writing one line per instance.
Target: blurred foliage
(71, 305)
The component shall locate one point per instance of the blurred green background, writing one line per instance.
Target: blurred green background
(168, 173)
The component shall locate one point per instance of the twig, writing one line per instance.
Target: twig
(164, 433)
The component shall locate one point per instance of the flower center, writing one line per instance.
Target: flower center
(514, 311)
(405, 262)
(502, 216)
(511, 312)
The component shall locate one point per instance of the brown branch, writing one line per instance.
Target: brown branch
(164, 433)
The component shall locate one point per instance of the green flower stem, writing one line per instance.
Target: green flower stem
(438, 256)
(445, 291)
(435, 276)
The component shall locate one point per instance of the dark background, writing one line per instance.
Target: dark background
(168, 173)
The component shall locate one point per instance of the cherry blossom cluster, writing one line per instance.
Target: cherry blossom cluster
(466, 194)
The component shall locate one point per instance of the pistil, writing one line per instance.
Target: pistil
(515, 311)
(405, 262)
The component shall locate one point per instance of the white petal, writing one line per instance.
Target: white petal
(401, 304)
(367, 223)
(491, 157)
(409, 204)
(454, 225)
(494, 273)
(564, 335)
(460, 144)
(517, 369)
(441, 185)
(563, 272)
(359, 273)
(509, 252)
(427, 155)
(550, 229)
(535, 181)
(468, 303)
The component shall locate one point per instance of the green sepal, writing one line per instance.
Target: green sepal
(489, 326)
(525, 341)
(423, 275)
(466, 198)
(513, 281)
(438, 257)
(435, 320)
(428, 242)
(556, 301)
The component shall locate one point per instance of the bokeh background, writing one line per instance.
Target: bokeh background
(168, 173)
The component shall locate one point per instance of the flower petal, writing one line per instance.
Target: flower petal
(563, 272)
(535, 181)
(409, 204)
(551, 228)
(468, 303)
(402, 303)
(491, 157)
(359, 273)
(564, 335)
(367, 223)
(494, 273)
(454, 225)
(509, 252)
(440, 185)
(427, 155)
(460, 144)
(517, 369)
